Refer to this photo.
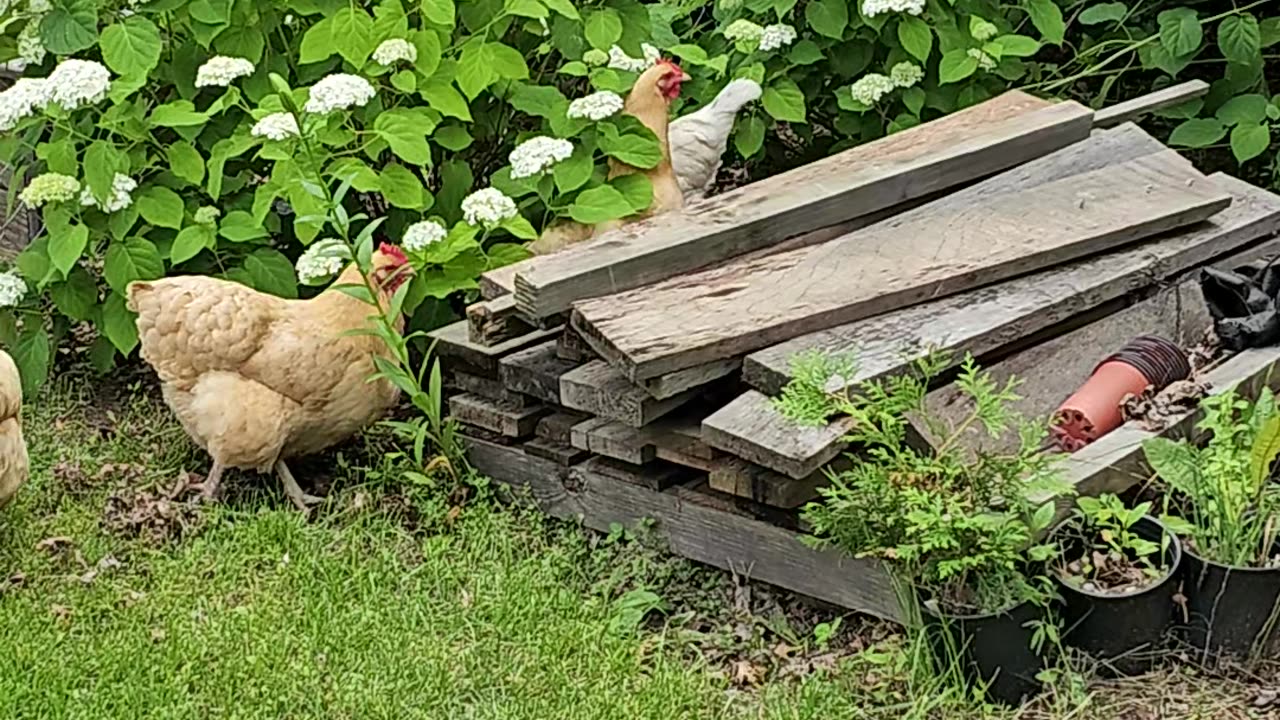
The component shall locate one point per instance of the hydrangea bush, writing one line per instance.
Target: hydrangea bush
(211, 136)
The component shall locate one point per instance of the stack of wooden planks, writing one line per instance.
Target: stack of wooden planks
(1018, 230)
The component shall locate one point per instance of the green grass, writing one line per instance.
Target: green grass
(384, 606)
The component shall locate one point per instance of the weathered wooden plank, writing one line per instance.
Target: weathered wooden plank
(654, 476)
(502, 281)
(1134, 108)
(1114, 462)
(751, 428)
(559, 453)
(598, 389)
(903, 261)
(556, 426)
(490, 322)
(672, 384)
(694, 530)
(748, 480)
(612, 439)
(955, 149)
(488, 388)
(674, 439)
(570, 346)
(495, 416)
(982, 320)
(453, 344)
(535, 371)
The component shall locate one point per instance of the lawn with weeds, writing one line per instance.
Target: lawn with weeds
(121, 596)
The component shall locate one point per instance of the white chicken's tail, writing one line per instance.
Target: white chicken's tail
(736, 95)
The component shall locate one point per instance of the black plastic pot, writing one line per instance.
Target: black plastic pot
(994, 648)
(1122, 631)
(1232, 611)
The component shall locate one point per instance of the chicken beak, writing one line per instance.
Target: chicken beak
(684, 77)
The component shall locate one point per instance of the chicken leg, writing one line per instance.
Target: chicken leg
(300, 499)
(209, 488)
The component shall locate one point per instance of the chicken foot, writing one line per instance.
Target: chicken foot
(300, 499)
(209, 488)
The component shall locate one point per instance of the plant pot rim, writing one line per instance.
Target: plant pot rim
(1175, 550)
(1233, 568)
(943, 615)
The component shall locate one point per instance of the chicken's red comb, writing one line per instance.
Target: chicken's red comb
(394, 252)
(669, 62)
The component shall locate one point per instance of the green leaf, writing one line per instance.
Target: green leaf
(131, 47)
(575, 172)
(190, 241)
(179, 113)
(31, 354)
(914, 98)
(185, 161)
(603, 28)
(317, 43)
(1104, 12)
(101, 163)
(131, 259)
(539, 100)
(916, 37)
(33, 261)
(356, 172)
(454, 138)
(828, 18)
(239, 226)
(475, 73)
(599, 204)
(440, 12)
(637, 189)
(506, 61)
(71, 26)
(67, 246)
(210, 12)
(77, 297)
(1017, 46)
(639, 149)
(748, 136)
(404, 81)
(443, 98)
(404, 132)
(119, 324)
(1159, 57)
(402, 188)
(59, 157)
(956, 65)
(519, 227)
(805, 52)
(564, 7)
(1180, 31)
(1269, 31)
(351, 29)
(1249, 140)
(1199, 132)
(1047, 17)
(784, 101)
(1243, 109)
(271, 272)
(527, 8)
(161, 206)
(1240, 38)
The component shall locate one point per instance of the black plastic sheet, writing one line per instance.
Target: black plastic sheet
(1243, 304)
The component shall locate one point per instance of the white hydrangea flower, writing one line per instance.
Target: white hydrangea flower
(870, 88)
(30, 48)
(595, 57)
(743, 30)
(221, 71)
(38, 7)
(981, 30)
(339, 91)
(395, 50)
(207, 215)
(985, 61)
(76, 83)
(536, 155)
(12, 289)
(276, 126)
(871, 8)
(322, 260)
(776, 37)
(49, 187)
(906, 74)
(596, 106)
(620, 60)
(122, 187)
(20, 101)
(421, 234)
(488, 207)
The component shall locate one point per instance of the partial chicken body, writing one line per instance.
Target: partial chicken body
(14, 466)
(256, 379)
(699, 140)
(650, 102)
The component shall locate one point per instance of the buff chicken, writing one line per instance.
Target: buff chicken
(13, 450)
(256, 379)
(650, 102)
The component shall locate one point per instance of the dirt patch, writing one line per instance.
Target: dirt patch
(156, 516)
(1108, 573)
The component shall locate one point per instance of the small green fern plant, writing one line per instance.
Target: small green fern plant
(1227, 503)
(958, 525)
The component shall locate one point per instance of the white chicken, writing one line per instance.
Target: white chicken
(699, 140)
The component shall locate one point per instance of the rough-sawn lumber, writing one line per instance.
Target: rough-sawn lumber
(712, 315)
(947, 152)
